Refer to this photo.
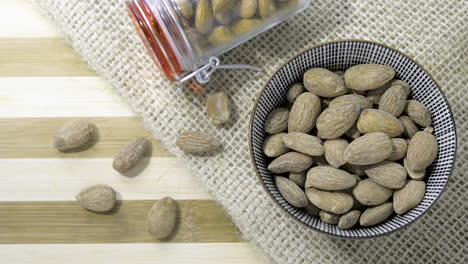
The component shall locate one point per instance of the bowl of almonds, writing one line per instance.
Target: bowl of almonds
(353, 139)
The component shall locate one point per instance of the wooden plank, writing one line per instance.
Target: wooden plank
(59, 97)
(199, 221)
(62, 179)
(40, 57)
(181, 253)
(21, 19)
(32, 137)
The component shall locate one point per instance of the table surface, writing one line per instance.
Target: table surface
(44, 83)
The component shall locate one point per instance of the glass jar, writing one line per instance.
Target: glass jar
(184, 37)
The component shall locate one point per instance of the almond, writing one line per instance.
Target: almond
(277, 121)
(369, 149)
(368, 76)
(388, 174)
(329, 179)
(130, 154)
(222, 5)
(373, 120)
(329, 217)
(266, 8)
(422, 151)
(376, 215)
(294, 92)
(248, 8)
(185, 8)
(218, 107)
(323, 82)
(291, 192)
(304, 113)
(221, 35)
(393, 101)
(399, 147)
(349, 220)
(290, 162)
(224, 18)
(415, 175)
(409, 126)
(74, 135)
(418, 113)
(409, 196)
(204, 16)
(368, 192)
(334, 151)
(404, 85)
(97, 198)
(298, 178)
(363, 102)
(332, 202)
(304, 143)
(273, 146)
(197, 142)
(162, 217)
(336, 120)
(245, 25)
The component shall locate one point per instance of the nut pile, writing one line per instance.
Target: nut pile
(210, 23)
(350, 147)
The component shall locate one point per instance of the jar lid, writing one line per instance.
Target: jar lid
(154, 39)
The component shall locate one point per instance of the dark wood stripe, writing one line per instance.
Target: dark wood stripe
(200, 221)
(32, 137)
(40, 57)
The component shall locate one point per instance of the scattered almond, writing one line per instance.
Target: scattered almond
(336, 120)
(130, 155)
(393, 101)
(204, 16)
(399, 148)
(248, 8)
(162, 217)
(409, 126)
(74, 135)
(349, 220)
(294, 92)
(298, 178)
(218, 107)
(363, 102)
(197, 142)
(97, 198)
(329, 217)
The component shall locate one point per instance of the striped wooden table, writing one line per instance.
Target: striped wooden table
(43, 83)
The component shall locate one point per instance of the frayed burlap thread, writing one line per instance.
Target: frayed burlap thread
(433, 32)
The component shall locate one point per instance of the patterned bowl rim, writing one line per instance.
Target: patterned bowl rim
(259, 177)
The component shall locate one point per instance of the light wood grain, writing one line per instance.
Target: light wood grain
(40, 57)
(199, 221)
(19, 18)
(62, 179)
(180, 253)
(59, 97)
(32, 137)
